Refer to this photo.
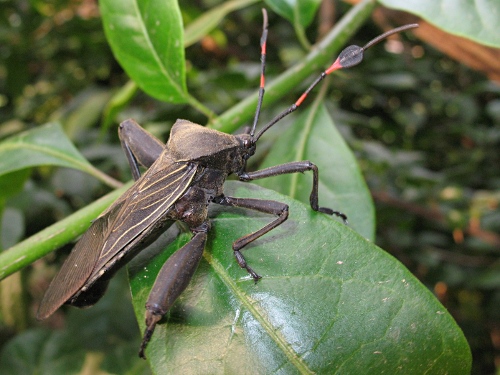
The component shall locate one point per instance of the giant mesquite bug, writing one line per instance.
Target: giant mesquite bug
(184, 177)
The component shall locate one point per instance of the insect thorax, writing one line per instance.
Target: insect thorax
(209, 148)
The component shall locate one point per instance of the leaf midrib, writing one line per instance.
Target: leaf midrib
(154, 52)
(251, 306)
(82, 163)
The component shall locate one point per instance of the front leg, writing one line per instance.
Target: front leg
(266, 206)
(294, 167)
(140, 146)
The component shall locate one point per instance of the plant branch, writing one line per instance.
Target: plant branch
(322, 54)
(55, 236)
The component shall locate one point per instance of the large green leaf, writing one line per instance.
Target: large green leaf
(210, 19)
(314, 137)
(472, 19)
(329, 302)
(45, 145)
(147, 39)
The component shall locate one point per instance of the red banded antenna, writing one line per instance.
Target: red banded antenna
(349, 57)
(263, 42)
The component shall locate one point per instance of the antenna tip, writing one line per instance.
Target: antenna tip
(388, 33)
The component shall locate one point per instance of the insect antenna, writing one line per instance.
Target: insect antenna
(349, 57)
(263, 42)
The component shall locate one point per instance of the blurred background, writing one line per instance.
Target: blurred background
(422, 120)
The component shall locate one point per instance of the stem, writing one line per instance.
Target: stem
(110, 181)
(200, 107)
(209, 20)
(300, 32)
(321, 55)
(117, 102)
(55, 236)
(64, 231)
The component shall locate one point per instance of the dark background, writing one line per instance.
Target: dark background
(426, 134)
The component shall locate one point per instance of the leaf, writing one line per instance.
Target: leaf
(84, 111)
(147, 40)
(314, 137)
(45, 145)
(329, 302)
(299, 12)
(117, 103)
(476, 20)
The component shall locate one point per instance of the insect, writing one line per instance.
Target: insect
(184, 177)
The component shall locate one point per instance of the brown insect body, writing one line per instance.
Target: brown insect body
(200, 175)
(184, 177)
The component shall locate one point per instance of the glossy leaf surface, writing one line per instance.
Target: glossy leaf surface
(147, 39)
(329, 302)
(314, 137)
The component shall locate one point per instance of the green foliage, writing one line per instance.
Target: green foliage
(44, 145)
(329, 301)
(206, 22)
(423, 128)
(106, 344)
(299, 13)
(482, 18)
(55, 236)
(312, 137)
(147, 40)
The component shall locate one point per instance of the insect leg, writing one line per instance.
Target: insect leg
(295, 167)
(140, 146)
(266, 206)
(171, 281)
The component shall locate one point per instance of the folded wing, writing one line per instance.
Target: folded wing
(133, 214)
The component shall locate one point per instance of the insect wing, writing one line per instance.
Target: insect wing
(102, 245)
(79, 265)
(153, 196)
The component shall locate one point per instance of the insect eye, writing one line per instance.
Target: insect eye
(246, 142)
